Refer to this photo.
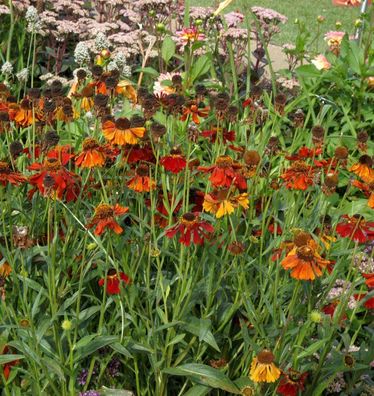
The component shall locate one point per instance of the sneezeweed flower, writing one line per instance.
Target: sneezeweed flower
(175, 162)
(141, 182)
(188, 36)
(8, 175)
(236, 248)
(92, 154)
(224, 202)
(364, 169)
(362, 139)
(263, 369)
(356, 228)
(225, 173)
(291, 383)
(303, 260)
(193, 110)
(23, 114)
(299, 176)
(61, 182)
(367, 189)
(251, 158)
(104, 218)
(191, 229)
(113, 281)
(321, 62)
(121, 132)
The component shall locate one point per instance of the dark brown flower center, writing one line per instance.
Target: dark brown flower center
(4, 167)
(305, 253)
(142, 170)
(300, 166)
(89, 144)
(103, 211)
(188, 218)
(265, 357)
(251, 157)
(366, 160)
(302, 238)
(122, 123)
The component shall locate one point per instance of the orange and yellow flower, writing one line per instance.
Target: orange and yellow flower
(263, 368)
(141, 182)
(92, 154)
(120, 132)
(364, 169)
(224, 202)
(104, 218)
(299, 176)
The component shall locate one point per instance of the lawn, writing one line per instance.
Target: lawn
(304, 10)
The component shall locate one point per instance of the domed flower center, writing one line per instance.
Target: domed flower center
(300, 166)
(265, 357)
(189, 219)
(302, 238)
(103, 211)
(112, 273)
(52, 164)
(4, 167)
(90, 143)
(224, 161)
(142, 170)
(122, 123)
(305, 253)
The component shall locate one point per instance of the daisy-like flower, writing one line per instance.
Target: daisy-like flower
(163, 85)
(7, 175)
(299, 176)
(334, 40)
(356, 228)
(141, 182)
(224, 202)
(192, 109)
(23, 114)
(263, 369)
(364, 169)
(303, 153)
(175, 162)
(367, 189)
(191, 229)
(104, 218)
(113, 281)
(225, 173)
(188, 36)
(120, 132)
(291, 383)
(92, 155)
(304, 260)
(53, 179)
(321, 62)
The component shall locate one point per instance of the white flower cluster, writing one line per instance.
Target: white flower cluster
(7, 69)
(101, 42)
(82, 54)
(34, 24)
(119, 63)
(23, 75)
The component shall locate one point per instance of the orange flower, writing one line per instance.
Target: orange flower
(364, 169)
(7, 175)
(23, 114)
(104, 218)
(120, 132)
(141, 182)
(222, 202)
(304, 262)
(263, 369)
(299, 176)
(193, 109)
(126, 89)
(92, 154)
(224, 173)
(367, 189)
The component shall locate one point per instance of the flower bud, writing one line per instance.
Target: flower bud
(66, 325)
(316, 317)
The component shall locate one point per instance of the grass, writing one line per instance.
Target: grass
(301, 9)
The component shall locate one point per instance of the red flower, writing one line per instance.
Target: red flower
(356, 228)
(141, 182)
(53, 177)
(191, 229)
(175, 162)
(136, 153)
(330, 310)
(104, 218)
(227, 136)
(63, 153)
(275, 227)
(369, 280)
(7, 366)
(291, 383)
(7, 175)
(113, 281)
(224, 173)
(369, 303)
(303, 153)
(299, 176)
(195, 111)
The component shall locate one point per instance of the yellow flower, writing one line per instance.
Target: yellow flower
(263, 369)
(222, 203)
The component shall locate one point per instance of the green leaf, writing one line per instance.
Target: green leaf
(200, 328)
(176, 339)
(198, 390)
(94, 345)
(121, 349)
(168, 49)
(200, 67)
(312, 349)
(10, 358)
(205, 375)
(115, 392)
(148, 70)
(308, 71)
